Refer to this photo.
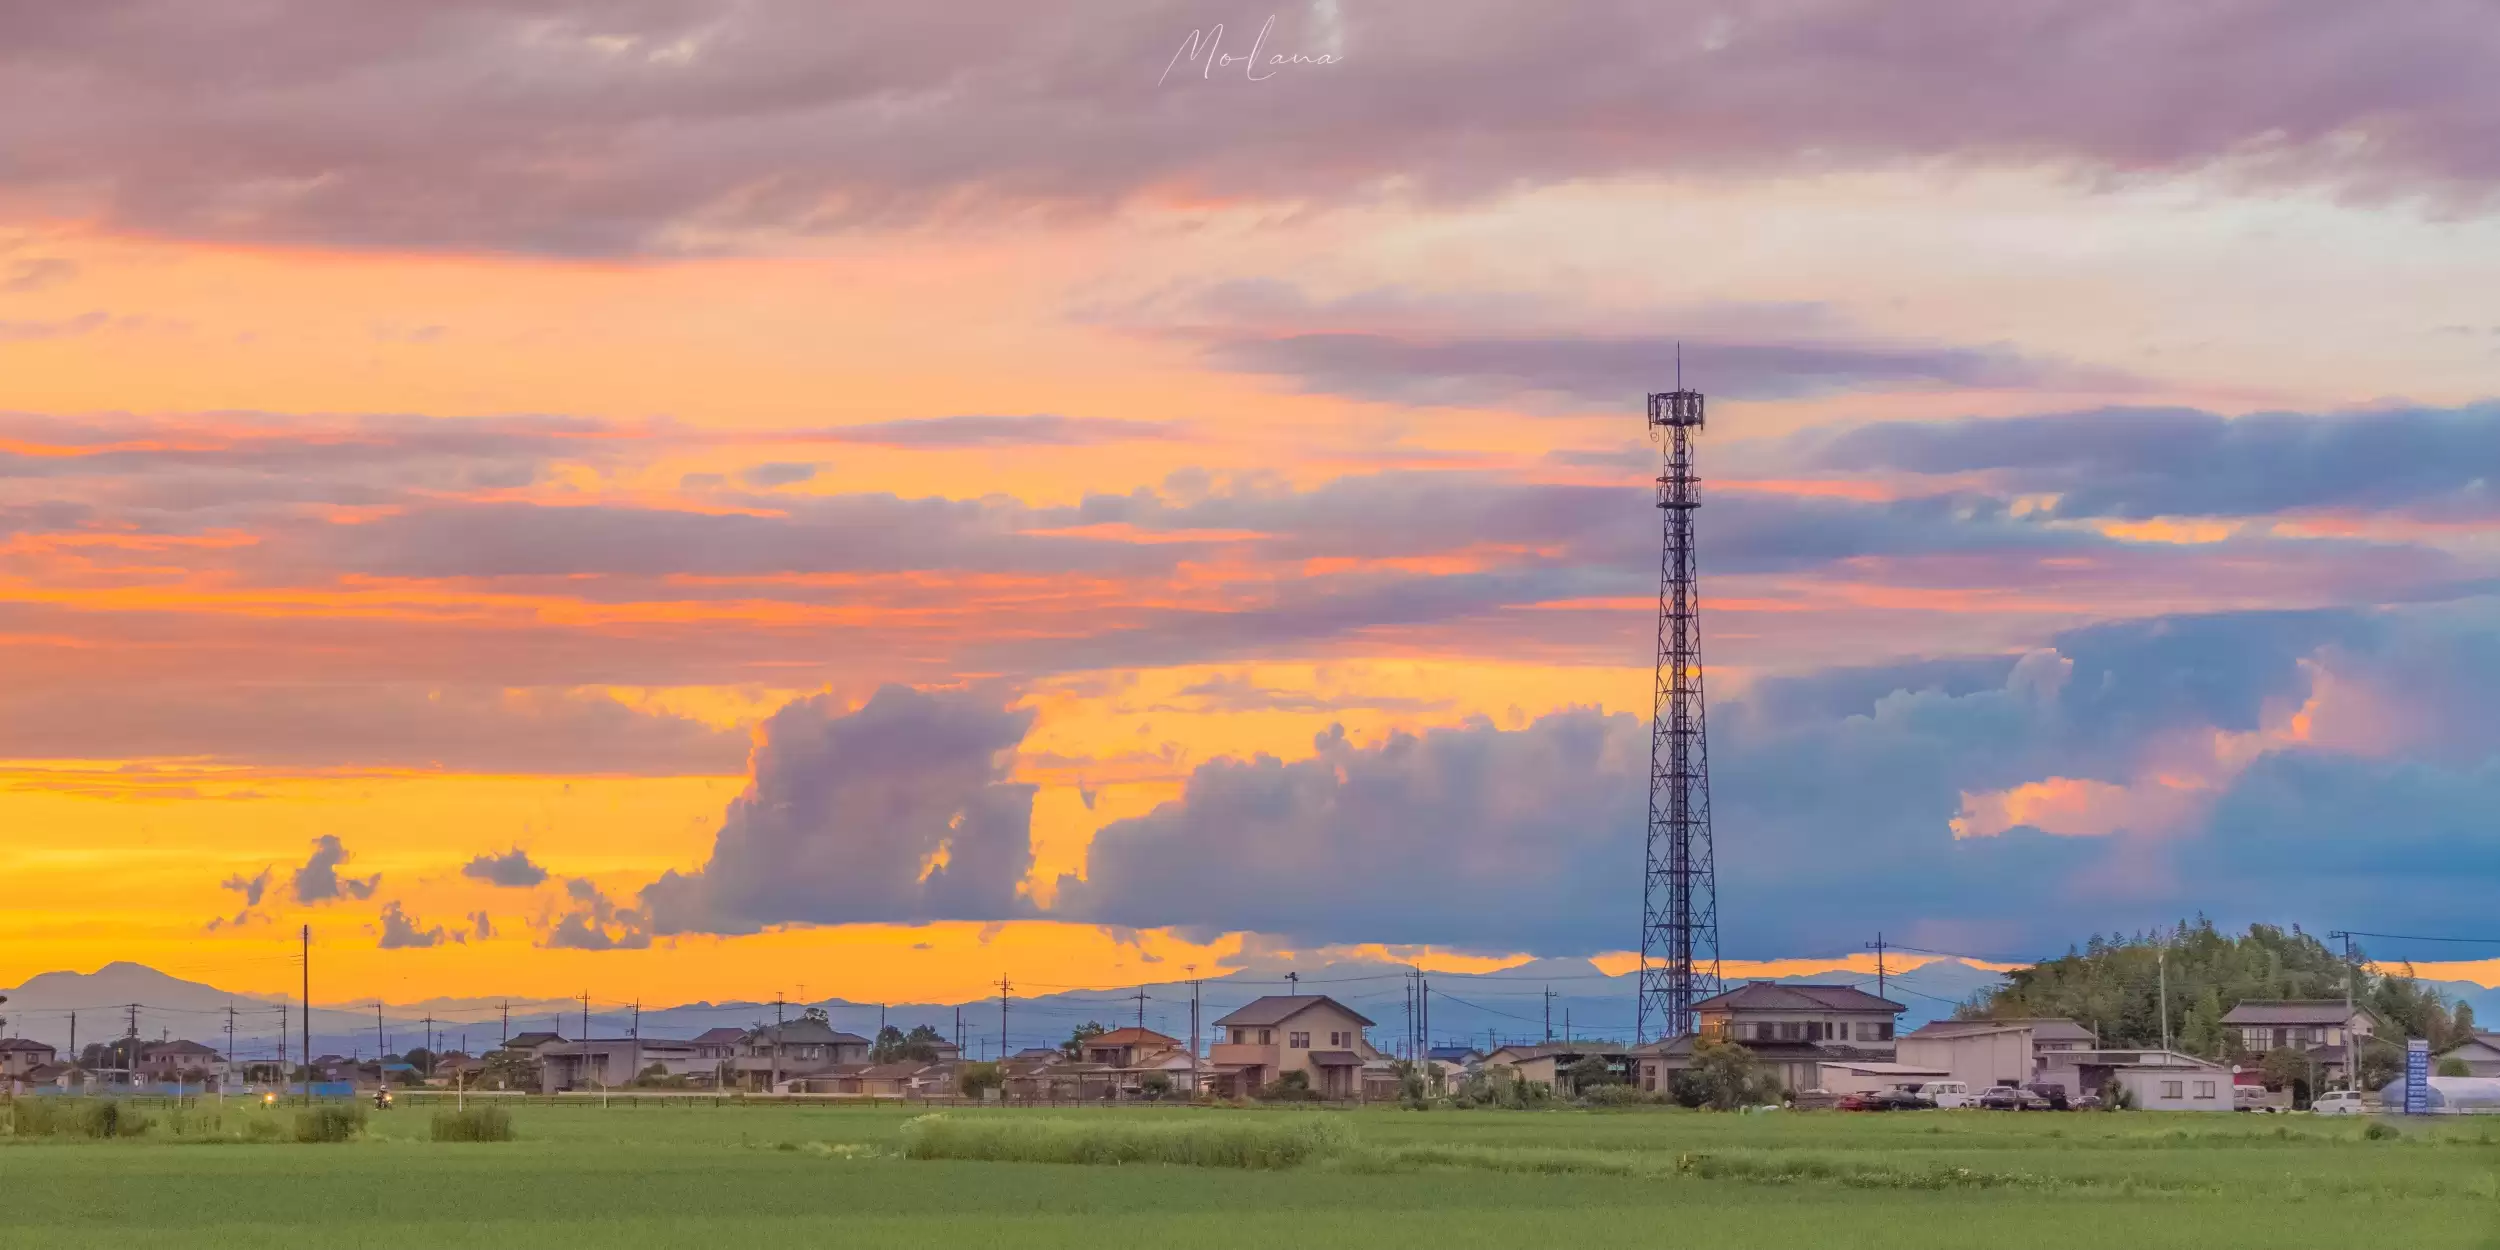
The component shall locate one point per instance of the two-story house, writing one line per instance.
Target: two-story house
(798, 1048)
(1308, 1033)
(2324, 1030)
(1792, 1029)
(184, 1060)
(20, 1056)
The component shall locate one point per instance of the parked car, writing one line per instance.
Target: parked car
(1946, 1093)
(1853, 1102)
(2338, 1102)
(2054, 1095)
(1898, 1100)
(2003, 1098)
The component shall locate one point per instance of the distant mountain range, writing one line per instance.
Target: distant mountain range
(1506, 1006)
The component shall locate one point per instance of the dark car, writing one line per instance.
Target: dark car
(2004, 1098)
(1899, 1100)
(2053, 1095)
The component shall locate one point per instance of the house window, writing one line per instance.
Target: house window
(1791, 1031)
(1298, 1041)
(1883, 1031)
(1267, 1037)
(2204, 1089)
(2171, 1089)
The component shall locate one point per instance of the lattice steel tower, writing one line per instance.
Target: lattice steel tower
(1680, 891)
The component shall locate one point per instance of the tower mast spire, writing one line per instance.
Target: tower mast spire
(1679, 889)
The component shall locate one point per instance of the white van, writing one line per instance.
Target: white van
(1947, 1093)
(2337, 1102)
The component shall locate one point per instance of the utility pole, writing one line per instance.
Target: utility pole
(1566, 1025)
(1193, 1033)
(1879, 946)
(1295, 980)
(507, 1022)
(959, 1031)
(1549, 1013)
(635, 1073)
(2162, 957)
(229, 1056)
(1423, 1009)
(773, 1079)
(2352, 1052)
(429, 1047)
(73, 1038)
(307, 1015)
(1141, 1008)
(1406, 1044)
(1002, 1017)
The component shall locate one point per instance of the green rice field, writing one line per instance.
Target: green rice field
(690, 1172)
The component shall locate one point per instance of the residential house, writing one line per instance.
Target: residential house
(798, 1048)
(2480, 1054)
(612, 1063)
(2162, 1080)
(178, 1061)
(1981, 1053)
(1547, 1062)
(20, 1055)
(1121, 1048)
(1308, 1033)
(1791, 1029)
(2317, 1028)
(909, 1078)
(1053, 1077)
(533, 1041)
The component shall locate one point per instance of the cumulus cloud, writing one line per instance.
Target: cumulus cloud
(679, 120)
(898, 811)
(512, 868)
(319, 880)
(481, 925)
(2120, 777)
(401, 931)
(591, 921)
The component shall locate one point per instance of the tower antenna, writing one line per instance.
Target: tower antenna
(1679, 887)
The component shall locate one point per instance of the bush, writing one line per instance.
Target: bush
(1619, 1096)
(474, 1124)
(77, 1117)
(1289, 1087)
(977, 1077)
(329, 1123)
(1197, 1141)
(2380, 1132)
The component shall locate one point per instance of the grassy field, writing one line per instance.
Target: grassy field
(623, 1177)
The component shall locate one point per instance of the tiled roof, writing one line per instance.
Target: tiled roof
(1131, 1037)
(1278, 1008)
(2315, 1011)
(715, 1037)
(1770, 996)
(21, 1043)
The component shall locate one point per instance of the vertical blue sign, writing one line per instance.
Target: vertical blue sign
(2417, 1076)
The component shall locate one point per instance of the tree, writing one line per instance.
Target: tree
(421, 1059)
(1588, 1073)
(1155, 1085)
(895, 1046)
(2284, 1068)
(508, 1069)
(1724, 1076)
(2381, 1061)
(977, 1077)
(1074, 1047)
(818, 1015)
(2454, 1065)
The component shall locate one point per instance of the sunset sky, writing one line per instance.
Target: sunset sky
(684, 499)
